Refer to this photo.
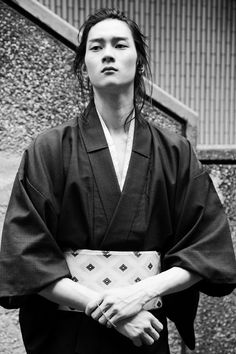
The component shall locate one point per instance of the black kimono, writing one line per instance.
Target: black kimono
(66, 195)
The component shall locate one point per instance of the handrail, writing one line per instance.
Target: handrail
(48, 18)
(171, 104)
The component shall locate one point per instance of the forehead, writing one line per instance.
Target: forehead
(110, 28)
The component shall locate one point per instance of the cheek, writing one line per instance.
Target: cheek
(130, 64)
(90, 66)
(130, 58)
(87, 61)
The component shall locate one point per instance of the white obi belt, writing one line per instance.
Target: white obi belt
(102, 270)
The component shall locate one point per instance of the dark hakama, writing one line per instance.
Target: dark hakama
(66, 195)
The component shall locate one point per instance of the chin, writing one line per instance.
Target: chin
(114, 86)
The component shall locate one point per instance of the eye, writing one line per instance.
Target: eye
(95, 48)
(121, 45)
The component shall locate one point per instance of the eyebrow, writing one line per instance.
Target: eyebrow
(102, 40)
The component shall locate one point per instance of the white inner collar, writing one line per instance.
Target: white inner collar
(112, 148)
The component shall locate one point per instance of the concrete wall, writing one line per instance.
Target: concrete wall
(37, 91)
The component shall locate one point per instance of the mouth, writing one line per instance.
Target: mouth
(108, 68)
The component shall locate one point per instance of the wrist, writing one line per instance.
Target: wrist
(151, 288)
(145, 291)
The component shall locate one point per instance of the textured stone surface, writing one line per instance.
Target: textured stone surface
(8, 167)
(37, 87)
(10, 337)
(37, 91)
(217, 154)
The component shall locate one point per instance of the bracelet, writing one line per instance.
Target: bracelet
(108, 321)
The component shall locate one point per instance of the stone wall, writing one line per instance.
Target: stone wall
(38, 91)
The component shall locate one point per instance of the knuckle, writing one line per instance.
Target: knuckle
(88, 308)
(115, 309)
(121, 313)
(137, 335)
(110, 299)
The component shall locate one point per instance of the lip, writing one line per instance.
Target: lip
(108, 68)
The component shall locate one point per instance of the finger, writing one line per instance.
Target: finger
(103, 320)
(157, 324)
(153, 333)
(92, 305)
(107, 317)
(147, 339)
(97, 314)
(115, 316)
(101, 314)
(109, 324)
(110, 314)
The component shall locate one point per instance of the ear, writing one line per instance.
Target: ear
(139, 62)
(84, 71)
(140, 67)
(84, 68)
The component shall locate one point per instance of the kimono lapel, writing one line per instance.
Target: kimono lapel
(120, 207)
(134, 187)
(100, 160)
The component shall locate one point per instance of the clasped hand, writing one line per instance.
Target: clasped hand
(116, 304)
(123, 309)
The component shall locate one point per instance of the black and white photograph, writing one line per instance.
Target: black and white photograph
(117, 176)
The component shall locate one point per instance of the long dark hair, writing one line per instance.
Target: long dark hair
(143, 67)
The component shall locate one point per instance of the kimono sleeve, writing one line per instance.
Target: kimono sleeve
(202, 242)
(30, 257)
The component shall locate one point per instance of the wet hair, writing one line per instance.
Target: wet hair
(142, 69)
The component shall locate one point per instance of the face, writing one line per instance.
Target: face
(111, 55)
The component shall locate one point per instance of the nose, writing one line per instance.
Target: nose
(108, 56)
(108, 59)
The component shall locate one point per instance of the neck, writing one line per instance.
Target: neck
(114, 109)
